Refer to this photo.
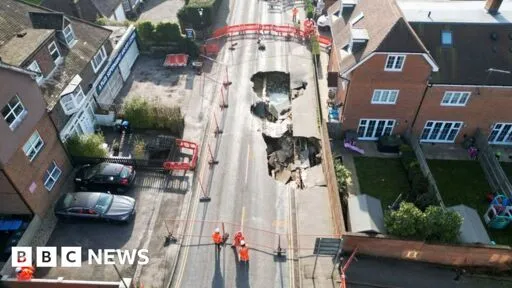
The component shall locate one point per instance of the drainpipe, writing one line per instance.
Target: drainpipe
(429, 85)
(17, 191)
(58, 137)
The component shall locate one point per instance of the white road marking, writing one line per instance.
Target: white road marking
(247, 165)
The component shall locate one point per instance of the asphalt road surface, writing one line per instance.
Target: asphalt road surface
(241, 192)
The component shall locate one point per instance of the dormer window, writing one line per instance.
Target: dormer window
(54, 52)
(69, 36)
(446, 38)
(72, 98)
(34, 66)
(98, 59)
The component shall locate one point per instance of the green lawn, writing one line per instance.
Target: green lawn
(382, 178)
(463, 182)
(507, 167)
(37, 2)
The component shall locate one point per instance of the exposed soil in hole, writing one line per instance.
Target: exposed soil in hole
(273, 88)
(286, 155)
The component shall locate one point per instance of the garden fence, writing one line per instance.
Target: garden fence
(415, 144)
(493, 171)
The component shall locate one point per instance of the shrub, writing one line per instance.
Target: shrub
(435, 224)
(167, 32)
(144, 115)
(406, 222)
(139, 148)
(425, 200)
(145, 31)
(87, 146)
(343, 176)
(310, 11)
(315, 46)
(442, 225)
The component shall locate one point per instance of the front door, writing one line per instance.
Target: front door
(372, 129)
(440, 131)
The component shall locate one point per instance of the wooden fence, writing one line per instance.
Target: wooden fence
(493, 171)
(415, 144)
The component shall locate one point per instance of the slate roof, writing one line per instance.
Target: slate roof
(90, 9)
(14, 18)
(387, 30)
(22, 46)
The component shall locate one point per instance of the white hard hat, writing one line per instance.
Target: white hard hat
(217, 230)
(18, 269)
(242, 242)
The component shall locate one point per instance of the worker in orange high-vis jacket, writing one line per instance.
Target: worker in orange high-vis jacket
(24, 273)
(217, 237)
(295, 11)
(243, 253)
(237, 238)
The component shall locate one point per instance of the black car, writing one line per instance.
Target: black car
(105, 177)
(95, 205)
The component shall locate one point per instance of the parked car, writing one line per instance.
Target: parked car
(105, 177)
(95, 205)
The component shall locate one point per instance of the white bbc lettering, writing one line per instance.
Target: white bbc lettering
(46, 256)
(71, 257)
(143, 256)
(98, 257)
(21, 256)
(126, 256)
(109, 256)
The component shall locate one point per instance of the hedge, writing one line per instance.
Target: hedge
(189, 16)
(165, 34)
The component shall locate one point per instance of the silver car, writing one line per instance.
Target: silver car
(95, 205)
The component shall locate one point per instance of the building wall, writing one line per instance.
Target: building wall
(43, 57)
(410, 82)
(30, 96)
(11, 203)
(119, 14)
(19, 167)
(88, 75)
(485, 107)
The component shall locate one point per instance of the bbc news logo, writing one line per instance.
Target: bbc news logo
(72, 256)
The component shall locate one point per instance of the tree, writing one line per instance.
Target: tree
(406, 222)
(442, 225)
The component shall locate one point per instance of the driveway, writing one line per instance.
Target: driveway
(159, 197)
(161, 10)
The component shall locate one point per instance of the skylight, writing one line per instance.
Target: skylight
(446, 38)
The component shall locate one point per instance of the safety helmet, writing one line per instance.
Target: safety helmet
(217, 230)
(18, 269)
(242, 242)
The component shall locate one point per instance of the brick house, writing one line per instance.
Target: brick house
(69, 53)
(416, 64)
(33, 162)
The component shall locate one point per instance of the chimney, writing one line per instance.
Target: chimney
(492, 6)
(75, 8)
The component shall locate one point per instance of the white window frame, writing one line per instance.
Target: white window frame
(102, 53)
(394, 58)
(76, 99)
(52, 175)
(389, 125)
(70, 32)
(51, 50)
(446, 35)
(431, 127)
(501, 130)
(385, 96)
(18, 118)
(455, 98)
(33, 146)
(34, 66)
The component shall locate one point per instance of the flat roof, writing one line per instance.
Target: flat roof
(453, 11)
(18, 49)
